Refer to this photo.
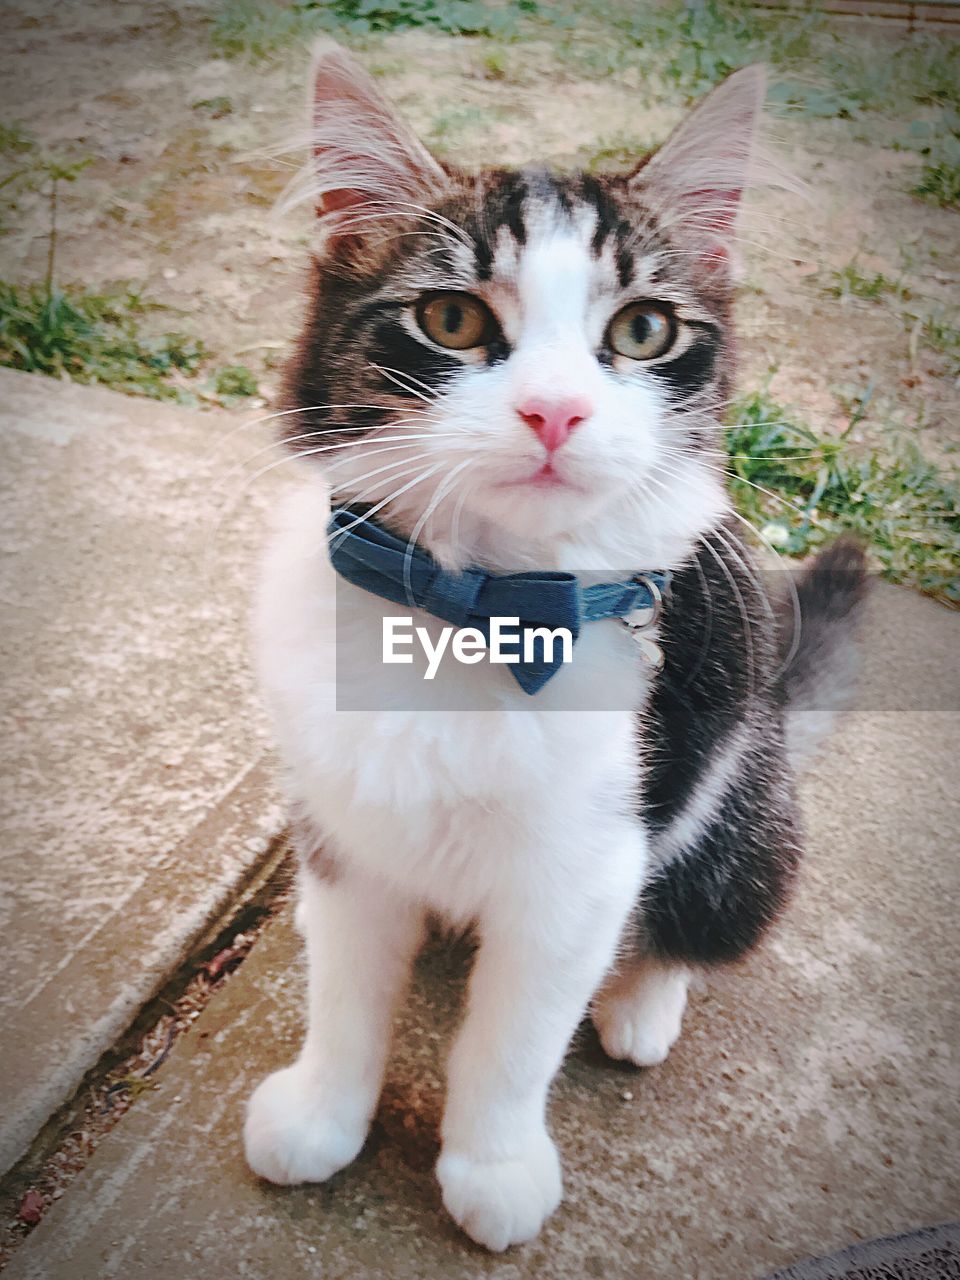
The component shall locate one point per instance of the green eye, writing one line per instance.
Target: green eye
(456, 320)
(642, 331)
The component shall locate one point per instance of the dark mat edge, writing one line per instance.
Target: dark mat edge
(907, 1247)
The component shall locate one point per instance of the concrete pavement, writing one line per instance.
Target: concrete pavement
(813, 1100)
(135, 794)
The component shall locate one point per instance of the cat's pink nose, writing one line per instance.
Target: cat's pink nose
(554, 420)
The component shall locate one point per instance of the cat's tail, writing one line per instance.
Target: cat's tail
(818, 621)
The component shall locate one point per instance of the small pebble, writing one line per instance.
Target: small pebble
(626, 1095)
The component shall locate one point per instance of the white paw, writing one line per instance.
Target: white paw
(638, 1016)
(502, 1202)
(294, 1134)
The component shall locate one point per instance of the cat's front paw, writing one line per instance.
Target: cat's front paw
(502, 1202)
(295, 1134)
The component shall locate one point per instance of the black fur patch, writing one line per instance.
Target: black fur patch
(712, 902)
(611, 222)
(690, 372)
(391, 347)
(715, 901)
(830, 595)
(502, 207)
(714, 628)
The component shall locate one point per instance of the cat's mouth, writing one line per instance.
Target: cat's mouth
(545, 477)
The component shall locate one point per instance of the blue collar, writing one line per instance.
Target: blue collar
(370, 556)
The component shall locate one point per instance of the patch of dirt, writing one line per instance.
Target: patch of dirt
(178, 198)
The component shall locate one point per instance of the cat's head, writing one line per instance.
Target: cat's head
(508, 362)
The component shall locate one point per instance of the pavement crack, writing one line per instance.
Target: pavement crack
(134, 1065)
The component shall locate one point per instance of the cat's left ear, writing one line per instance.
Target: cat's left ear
(367, 164)
(697, 178)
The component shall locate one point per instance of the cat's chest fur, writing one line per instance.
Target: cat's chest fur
(450, 805)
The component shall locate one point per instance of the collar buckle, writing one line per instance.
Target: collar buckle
(642, 618)
(639, 620)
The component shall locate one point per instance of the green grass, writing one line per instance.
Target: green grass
(865, 75)
(15, 140)
(940, 181)
(801, 489)
(455, 17)
(456, 126)
(944, 338)
(938, 142)
(93, 338)
(851, 282)
(234, 382)
(255, 28)
(16, 143)
(216, 108)
(824, 69)
(934, 331)
(620, 152)
(252, 29)
(96, 338)
(821, 69)
(694, 46)
(713, 39)
(495, 65)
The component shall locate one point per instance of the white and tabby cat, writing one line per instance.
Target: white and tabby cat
(525, 371)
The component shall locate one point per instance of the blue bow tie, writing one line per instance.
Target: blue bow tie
(370, 556)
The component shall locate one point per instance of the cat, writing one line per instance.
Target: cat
(519, 371)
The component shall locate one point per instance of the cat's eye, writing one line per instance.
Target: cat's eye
(642, 331)
(456, 320)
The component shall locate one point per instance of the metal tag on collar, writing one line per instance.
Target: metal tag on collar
(639, 620)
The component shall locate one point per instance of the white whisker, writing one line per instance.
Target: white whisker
(307, 408)
(287, 442)
(390, 498)
(443, 488)
(337, 487)
(394, 376)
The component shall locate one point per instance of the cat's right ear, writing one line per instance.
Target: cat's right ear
(367, 166)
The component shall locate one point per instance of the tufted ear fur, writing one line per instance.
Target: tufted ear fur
(366, 163)
(697, 178)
